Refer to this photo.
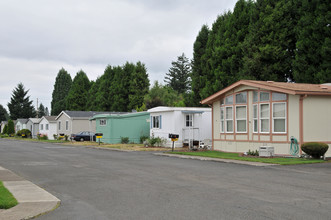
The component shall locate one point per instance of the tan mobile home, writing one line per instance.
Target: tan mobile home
(250, 114)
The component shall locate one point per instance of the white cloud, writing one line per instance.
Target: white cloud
(38, 38)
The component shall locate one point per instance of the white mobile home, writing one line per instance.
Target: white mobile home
(192, 124)
(33, 126)
(47, 125)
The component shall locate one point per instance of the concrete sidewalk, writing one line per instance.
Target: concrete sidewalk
(32, 200)
(217, 160)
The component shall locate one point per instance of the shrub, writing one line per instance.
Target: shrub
(66, 137)
(11, 128)
(315, 149)
(253, 153)
(143, 138)
(42, 136)
(24, 133)
(155, 141)
(55, 136)
(124, 140)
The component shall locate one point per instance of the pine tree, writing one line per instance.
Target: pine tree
(20, 105)
(199, 49)
(178, 77)
(41, 111)
(3, 114)
(312, 62)
(46, 112)
(62, 86)
(139, 86)
(77, 96)
(5, 129)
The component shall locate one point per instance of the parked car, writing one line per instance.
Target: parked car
(83, 136)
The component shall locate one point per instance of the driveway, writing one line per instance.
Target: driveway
(104, 184)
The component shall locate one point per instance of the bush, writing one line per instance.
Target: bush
(42, 136)
(253, 153)
(55, 136)
(315, 149)
(11, 128)
(124, 140)
(143, 138)
(24, 133)
(155, 141)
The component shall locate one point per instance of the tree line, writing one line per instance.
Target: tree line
(279, 40)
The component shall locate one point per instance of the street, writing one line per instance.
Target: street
(106, 184)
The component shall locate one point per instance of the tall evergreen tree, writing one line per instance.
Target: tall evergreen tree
(41, 111)
(3, 114)
(198, 79)
(139, 86)
(77, 96)
(119, 93)
(46, 112)
(312, 63)
(178, 77)
(62, 86)
(20, 105)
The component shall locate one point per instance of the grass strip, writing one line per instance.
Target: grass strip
(7, 200)
(236, 156)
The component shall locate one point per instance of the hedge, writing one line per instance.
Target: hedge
(315, 149)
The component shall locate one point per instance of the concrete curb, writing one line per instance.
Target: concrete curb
(217, 160)
(32, 200)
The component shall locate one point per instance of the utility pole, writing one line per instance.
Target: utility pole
(37, 109)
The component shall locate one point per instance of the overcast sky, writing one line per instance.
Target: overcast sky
(38, 38)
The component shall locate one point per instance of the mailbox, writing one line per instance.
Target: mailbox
(174, 136)
(99, 135)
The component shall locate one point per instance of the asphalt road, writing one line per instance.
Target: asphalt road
(104, 184)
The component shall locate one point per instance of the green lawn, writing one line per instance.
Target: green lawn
(7, 200)
(235, 156)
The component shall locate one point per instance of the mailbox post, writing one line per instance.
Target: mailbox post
(99, 136)
(174, 137)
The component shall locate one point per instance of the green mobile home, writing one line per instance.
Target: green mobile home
(115, 126)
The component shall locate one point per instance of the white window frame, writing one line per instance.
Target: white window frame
(46, 127)
(41, 127)
(59, 125)
(67, 125)
(260, 124)
(241, 119)
(228, 119)
(256, 119)
(222, 120)
(189, 120)
(103, 122)
(275, 118)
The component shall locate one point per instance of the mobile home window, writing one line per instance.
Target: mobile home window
(264, 118)
(41, 127)
(156, 121)
(229, 100)
(229, 119)
(255, 96)
(103, 122)
(188, 120)
(278, 96)
(59, 125)
(241, 98)
(255, 119)
(279, 117)
(67, 125)
(222, 120)
(264, 96)
(46, 127)
(241, 119)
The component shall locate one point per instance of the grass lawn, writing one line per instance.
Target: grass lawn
(235, 156)
(7, 200)
(133, 147)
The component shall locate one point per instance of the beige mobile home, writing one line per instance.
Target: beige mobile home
(250, 114)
